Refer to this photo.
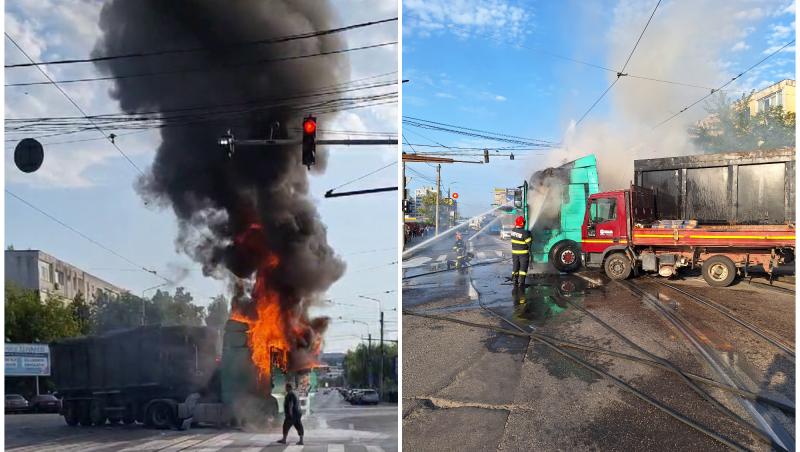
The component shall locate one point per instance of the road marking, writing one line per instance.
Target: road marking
(335, 447)
(156, 444)
(187, 442)
(481, 255)
(252, 449)
(441, 258)
(499, 253)
(374, 449)
(294, 448)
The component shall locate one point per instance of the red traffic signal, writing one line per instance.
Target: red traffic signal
(455, 195)
(309, 126)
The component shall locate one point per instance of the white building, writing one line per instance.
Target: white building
(36, 270)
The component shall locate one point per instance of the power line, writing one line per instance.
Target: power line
(201, 49)
(222, 67)
(723, 86)
(621, 72)
(86, 237)
(75, 104)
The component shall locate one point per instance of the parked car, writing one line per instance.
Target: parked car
(45, 403)
(355, 396)
(15, 403)
(369, 397)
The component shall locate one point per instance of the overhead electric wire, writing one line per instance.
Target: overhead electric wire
(74, 104)
(621, 72)
(201, 49)
(724, 85)
(86, 237)
(222, 67)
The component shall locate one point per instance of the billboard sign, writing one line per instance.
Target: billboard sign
(27, 360)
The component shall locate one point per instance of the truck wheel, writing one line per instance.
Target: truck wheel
(84, 417)
(160, 415)
(71, 414)
(566, 256)
(719, 271)
(618, 266)
(98, 413)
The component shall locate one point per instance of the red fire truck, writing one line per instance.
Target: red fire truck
(720, 212)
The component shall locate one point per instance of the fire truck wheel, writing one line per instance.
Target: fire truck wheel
(566, 256)
(618, 266)
(71, 413)
(160, 415)
(719, 271)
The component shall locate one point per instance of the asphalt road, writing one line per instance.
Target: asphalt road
(467, 388)
(334, 426)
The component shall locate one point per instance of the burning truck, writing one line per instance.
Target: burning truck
(723, 213)
(170, 376)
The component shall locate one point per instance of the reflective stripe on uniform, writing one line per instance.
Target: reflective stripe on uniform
(528, 240)
(521, 273)
(519, 242)
(519, 251)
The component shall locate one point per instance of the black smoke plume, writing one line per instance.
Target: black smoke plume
(217, 199)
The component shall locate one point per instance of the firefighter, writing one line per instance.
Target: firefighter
(520, 252)
(459, 248)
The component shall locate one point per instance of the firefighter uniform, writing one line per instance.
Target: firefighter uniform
(520, 254)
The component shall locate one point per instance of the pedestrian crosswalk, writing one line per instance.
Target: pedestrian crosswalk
(239, 442)
(420, 261)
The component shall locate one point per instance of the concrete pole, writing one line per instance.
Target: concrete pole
(380, 373)
(438, 195)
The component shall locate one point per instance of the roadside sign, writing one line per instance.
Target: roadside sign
(27, 360)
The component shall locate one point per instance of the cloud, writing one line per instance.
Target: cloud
(751, 14)
(497, 19)
(775, 48)
(741, 45)
(445, 95)
(500, 98)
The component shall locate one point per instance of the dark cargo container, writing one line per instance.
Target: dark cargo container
(116, 376)
(731, 188)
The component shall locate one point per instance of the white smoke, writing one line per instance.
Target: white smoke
(684, 42)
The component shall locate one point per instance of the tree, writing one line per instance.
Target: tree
(29, 319)
(182, 311)
(10, 247)
(355, 362)
(427, 209)
(218, 312)
(115, 312)
(81, 313)
(731, 127)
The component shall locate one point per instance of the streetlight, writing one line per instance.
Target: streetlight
(380, 372)
(143, 300)
(369, 345)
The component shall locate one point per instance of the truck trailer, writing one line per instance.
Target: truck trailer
(720, 212)
(163, 376)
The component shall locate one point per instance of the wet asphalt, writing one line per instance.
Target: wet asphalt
(467, 388)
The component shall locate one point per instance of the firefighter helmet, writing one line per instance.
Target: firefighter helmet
(520, 222)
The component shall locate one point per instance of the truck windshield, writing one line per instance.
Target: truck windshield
(602, 210)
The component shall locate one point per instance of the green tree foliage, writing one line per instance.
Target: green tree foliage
(218, 312)
(731, 127)
(82, 314)
(359, 362)
(28, 319)
(111, 312)
(427, 207)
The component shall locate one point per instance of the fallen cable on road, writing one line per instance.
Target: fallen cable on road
(615, 380)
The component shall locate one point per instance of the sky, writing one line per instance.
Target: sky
(506, 66)
(90, 187)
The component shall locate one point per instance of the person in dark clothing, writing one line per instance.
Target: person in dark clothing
(292, 414)
(460, 249)
(520, 252)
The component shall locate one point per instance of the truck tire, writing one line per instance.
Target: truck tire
(84, 417)
(618, 266)
(97, 413)
(719, 271)
(566, 256)
(160, 415)
(71, 413)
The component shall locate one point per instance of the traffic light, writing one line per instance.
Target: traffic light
(309, 141)
(406, 206)
(485, 156)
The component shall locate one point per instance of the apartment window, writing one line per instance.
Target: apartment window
(45, 270)
(60, 277)
(773, 100)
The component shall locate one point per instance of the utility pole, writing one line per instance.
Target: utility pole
(438, 195)
(380, 373)
(369, 359)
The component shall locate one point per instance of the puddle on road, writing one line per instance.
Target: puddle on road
(542, 300)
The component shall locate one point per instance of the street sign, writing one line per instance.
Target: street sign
(28, 155)
(27, 360)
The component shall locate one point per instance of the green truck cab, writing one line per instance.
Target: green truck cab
(553, 203)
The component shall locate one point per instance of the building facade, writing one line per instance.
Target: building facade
(39, 271)
(780, 94)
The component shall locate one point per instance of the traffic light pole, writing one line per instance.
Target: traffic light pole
(380, 373)
(240, 142)
(438, 196)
